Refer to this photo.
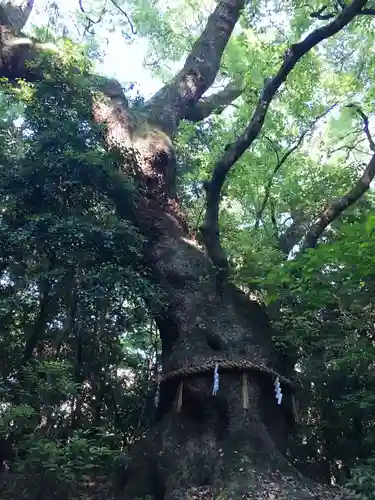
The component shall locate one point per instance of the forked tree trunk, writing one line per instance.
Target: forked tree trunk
(213, 440)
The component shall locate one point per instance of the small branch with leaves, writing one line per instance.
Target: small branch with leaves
(173, 101)
(282, 160)
(91, 22)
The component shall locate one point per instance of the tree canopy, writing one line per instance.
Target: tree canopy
(275, 165)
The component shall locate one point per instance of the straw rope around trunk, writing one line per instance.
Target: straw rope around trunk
(226, 365)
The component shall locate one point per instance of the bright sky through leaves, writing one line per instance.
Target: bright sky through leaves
(122, 60)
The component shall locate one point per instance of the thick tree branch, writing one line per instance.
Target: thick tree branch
(16, 54)
(214, 104)
(46, 304)
(273, 220)
(171, 103)
(325, 16)
(336, 208)
(281, 161)
(210, 229)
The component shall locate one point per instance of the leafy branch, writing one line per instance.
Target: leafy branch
(91, 22)
(121, 10)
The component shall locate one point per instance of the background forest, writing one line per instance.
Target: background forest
(79, 351)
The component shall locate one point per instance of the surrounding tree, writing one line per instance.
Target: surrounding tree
(194, 216)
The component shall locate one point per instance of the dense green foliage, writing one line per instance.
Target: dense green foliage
(74, 330)
(328, 318)
(77, 348)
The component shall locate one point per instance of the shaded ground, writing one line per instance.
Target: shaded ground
(270, 487)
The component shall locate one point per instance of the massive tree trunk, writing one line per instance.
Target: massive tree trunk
(212, 439)
(232, 442)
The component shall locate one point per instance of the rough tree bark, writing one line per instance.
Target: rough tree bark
(212, 441)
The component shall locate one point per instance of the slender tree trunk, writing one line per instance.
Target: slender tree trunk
(37, 330)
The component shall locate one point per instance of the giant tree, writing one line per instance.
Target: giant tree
(233, 441)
